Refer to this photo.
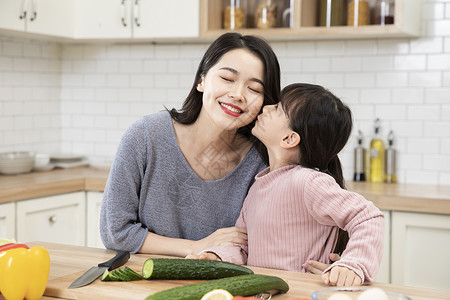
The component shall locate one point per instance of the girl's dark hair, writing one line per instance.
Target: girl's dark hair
(324, 124)
(192, 105)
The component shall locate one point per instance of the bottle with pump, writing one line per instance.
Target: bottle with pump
(376, 155)
(390, 165)
(360, 154)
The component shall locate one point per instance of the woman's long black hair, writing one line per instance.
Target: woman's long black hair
(192, 105)
(324, 124)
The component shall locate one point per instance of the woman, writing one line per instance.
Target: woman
(179, 178)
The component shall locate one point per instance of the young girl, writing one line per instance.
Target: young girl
(295, 207)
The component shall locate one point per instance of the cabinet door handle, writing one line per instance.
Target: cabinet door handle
(34, 7)
(52, 219)
(24, 9)
(123, 10)
(137, 13)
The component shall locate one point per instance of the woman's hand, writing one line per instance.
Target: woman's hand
(341, 276)
(316, 267)
(221, 237)
(204, 255)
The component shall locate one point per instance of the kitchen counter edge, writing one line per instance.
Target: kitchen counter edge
(396, 197)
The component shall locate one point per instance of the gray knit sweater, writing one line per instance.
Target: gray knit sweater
(151, 187)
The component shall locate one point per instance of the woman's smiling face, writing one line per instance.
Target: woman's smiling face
(233, 89)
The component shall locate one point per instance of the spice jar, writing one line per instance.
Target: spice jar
(384, 12)
(234, 14)
(266, 14)
(358, 13)
(332, 13)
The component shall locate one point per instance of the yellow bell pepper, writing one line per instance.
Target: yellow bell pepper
(24, 273)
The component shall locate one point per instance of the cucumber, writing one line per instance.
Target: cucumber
(244, 285)
(175, 268)
(126, 274)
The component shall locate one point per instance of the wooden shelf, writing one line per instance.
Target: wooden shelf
(407, 24)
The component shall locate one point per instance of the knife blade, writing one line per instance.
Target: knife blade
(93, 273)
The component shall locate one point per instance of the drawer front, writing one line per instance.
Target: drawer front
(94, 204)
(58, 219)
(7, 221)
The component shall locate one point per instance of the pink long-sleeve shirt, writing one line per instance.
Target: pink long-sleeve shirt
(292, 215)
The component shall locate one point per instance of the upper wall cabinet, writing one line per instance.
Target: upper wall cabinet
(310, 19)
(139, 19)
(44, 17)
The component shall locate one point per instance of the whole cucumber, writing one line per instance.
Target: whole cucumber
(244, 285)
(178, 268)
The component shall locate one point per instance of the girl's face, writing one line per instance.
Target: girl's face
(233, 89)
(272, 125)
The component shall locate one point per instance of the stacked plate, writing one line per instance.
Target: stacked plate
(16, 162)
(68, 160)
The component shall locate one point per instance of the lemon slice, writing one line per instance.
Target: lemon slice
(218, 294)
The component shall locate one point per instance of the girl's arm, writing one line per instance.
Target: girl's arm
(331, 205)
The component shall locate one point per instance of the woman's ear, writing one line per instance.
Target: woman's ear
(200, 87)
(290, 140)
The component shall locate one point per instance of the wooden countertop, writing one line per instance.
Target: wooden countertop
(398, 197)
(68, 262)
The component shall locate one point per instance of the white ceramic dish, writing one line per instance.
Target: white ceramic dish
(353, 293)
(64, 158)
(43, 168)
(12, 163)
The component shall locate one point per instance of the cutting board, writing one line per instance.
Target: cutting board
(109, 289)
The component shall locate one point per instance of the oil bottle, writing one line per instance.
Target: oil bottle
(390, 165)
(376, 155)
(360, 153)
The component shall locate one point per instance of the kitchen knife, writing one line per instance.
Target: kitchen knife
(93, 273)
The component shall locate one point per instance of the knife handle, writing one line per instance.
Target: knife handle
(119, 260)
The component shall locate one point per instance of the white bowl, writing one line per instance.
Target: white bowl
(16, 162)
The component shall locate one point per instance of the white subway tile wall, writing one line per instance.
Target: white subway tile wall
(79, 98)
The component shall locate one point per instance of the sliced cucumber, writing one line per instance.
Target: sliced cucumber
(126, 274)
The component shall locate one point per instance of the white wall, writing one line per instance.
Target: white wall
(80, 98)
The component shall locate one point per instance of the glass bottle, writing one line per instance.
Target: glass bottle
(234, 16)
(384, 12)
(359, 156)
(358, 13)
(332, 13)
(390, 162)
(376, 155)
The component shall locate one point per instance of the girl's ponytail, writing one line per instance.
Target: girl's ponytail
(335, 170)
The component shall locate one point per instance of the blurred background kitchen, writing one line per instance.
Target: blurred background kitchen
(77, 95)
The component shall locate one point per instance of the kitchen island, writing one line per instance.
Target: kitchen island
(69, 262)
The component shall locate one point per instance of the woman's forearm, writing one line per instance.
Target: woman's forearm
(158, 244)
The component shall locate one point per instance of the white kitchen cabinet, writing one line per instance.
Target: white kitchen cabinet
(146, 19)
(420, 250)
(58, 219)
(8, 220)
(167, 19)
(45, 17)
(385, 267)
(94, 203)
(103, 19)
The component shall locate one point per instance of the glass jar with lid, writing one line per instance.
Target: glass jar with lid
(384, 12)
(358, 13)
(266, 14)
(234, 14)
